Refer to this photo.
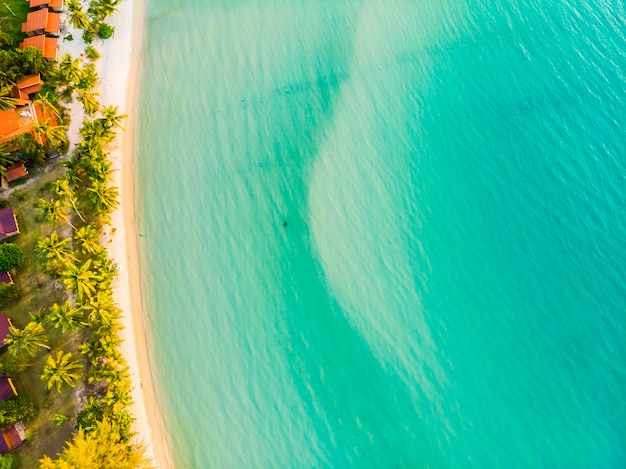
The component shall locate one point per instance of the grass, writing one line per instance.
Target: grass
(12, 25)
(40, 292)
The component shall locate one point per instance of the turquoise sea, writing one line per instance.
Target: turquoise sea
(386, 233)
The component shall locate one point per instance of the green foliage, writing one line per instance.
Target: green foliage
(16, 63)
(91, 53)
(30, 149)
(19, 194)
(8, 461)
(87, 37)
(9, 294)
(69, 38)
(102, 449)
(60, 419)
(15, 409)
(11, 256)
(105, 31)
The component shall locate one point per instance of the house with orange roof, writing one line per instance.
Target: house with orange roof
(53, 5)
(16, 171)
(42, 21)
(47, 45)
(18, 120)
(27, 86)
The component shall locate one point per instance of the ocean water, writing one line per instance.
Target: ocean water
(386, 234)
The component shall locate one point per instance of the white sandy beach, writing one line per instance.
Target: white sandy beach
(118, 67)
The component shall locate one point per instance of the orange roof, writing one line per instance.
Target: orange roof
(16, 171)
(48, 45)
(42, 19)
(17, 121)
(26, 86)
(50, 3)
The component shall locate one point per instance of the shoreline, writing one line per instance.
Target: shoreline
(118, 68)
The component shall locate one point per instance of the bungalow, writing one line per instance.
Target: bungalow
(5, 278)
(18, 120)
(16, 171)
(7, 389)
(12, 437)
(48, 45)
(26, 86)
(8, 224)
(53, 5)
(5, 324)
(42, 21)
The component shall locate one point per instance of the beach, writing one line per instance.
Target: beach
(118, 70)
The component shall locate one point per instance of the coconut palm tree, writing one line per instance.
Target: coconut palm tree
(69, 68)
(59, 370)
(54, 248)
(88, 239)
(111, 117)
(65, 317)
(80, 279)
(54, 135)
(89, 100)
(61, 188)
(46, 100)
(28, 340)
(78, 18)
(54, 211)
(96, 132)
(103, 197)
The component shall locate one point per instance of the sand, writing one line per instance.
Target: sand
(118, 68)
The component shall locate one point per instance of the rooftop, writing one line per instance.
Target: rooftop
(48, 45)
(42, 20)
(8, 223)
(14, 172)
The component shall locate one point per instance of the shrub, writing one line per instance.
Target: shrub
(19, 194)
(8, 461)
(11, 256)
(105, 31)
(59, 419)
(9, 293)
(16, 408)
(91, 53)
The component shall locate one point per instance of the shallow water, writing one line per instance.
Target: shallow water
(385, 234)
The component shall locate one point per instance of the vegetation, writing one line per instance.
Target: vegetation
(15, 409)
(11, 256)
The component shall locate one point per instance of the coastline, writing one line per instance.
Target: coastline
(118, 69)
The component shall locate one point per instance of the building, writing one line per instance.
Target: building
(5, 278)
(16, 172)
(8, 224)
(52, 5)
(47, 45)
(7, 389)
(27, 86)
(12, 437)
(5, 325)
(42, 21)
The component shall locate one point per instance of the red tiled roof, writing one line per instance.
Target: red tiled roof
(8, 223)
(48, 45)
(14, 172)
(42, 19)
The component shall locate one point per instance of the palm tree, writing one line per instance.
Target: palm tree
(60, 370)
(45, 100)
(65, 317)
(103, 197)
(54, 248)
(96, 132)
(6, 101)
(53, 135)
(69, 68)
(78, 18)
(111, 117)
(87, 238)
(101, 310)
(27, 340)
(80, 279)
(61, 188)
(54, 211)
(89, 100)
